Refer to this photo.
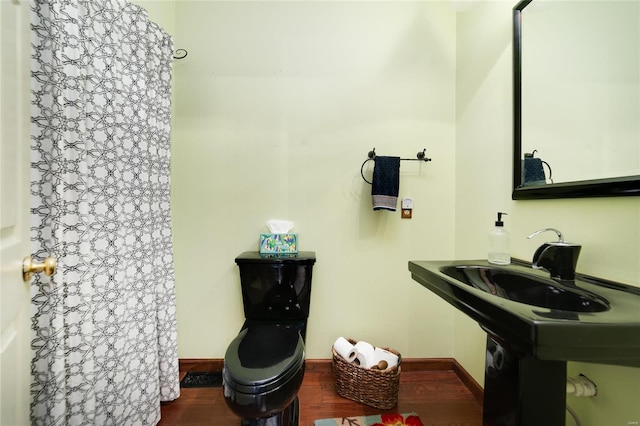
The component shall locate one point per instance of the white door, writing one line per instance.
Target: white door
(14, 212)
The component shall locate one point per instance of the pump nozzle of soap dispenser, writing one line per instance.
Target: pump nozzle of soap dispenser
(499, 222)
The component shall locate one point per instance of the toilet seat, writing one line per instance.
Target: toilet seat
(263, 357)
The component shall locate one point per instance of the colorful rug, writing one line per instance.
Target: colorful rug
(406, 419)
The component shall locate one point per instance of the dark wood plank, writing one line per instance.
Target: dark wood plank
(432, 388)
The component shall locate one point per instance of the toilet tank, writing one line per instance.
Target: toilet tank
(276, 287)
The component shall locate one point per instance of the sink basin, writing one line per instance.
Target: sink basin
(589, 319)
(528, 289)
(534, 325)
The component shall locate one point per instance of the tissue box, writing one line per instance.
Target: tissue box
(278, 243)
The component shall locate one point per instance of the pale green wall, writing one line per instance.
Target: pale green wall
(608, 228)
(275, 109)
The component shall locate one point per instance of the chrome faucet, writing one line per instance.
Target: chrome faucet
(559, 258)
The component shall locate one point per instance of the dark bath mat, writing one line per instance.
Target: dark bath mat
(202, 380)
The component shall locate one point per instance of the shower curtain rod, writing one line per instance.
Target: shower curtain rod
(181, 54)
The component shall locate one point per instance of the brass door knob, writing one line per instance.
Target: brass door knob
(29, 267)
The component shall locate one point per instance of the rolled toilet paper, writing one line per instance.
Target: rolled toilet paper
(390, 358)
(345, 349)
(365, 355)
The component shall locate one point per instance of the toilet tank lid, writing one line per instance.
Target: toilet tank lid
(303, 257)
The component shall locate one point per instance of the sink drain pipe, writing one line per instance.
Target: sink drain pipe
(574, 415)
(581, 386)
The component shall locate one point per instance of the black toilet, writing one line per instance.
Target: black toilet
(264, 364)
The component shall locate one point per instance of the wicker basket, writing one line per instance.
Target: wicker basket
(377, 388)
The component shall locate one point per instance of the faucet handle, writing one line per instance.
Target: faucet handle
(560, 238)
(558, 257)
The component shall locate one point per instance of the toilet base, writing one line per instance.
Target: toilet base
(287, 417)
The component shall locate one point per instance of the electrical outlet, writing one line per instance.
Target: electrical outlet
(407, 208)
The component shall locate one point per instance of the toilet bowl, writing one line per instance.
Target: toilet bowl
(264, 364)
(263, 371)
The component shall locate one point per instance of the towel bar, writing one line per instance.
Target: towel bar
(420, 156)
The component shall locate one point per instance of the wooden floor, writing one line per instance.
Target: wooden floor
(436, 393)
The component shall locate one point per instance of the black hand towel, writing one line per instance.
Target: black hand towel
(533, 171)
(386, 181)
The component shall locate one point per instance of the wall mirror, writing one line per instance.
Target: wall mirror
(576, 69)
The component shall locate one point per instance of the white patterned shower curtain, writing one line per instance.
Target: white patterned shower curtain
(104, 340)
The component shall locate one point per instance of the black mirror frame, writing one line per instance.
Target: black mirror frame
(610, 187)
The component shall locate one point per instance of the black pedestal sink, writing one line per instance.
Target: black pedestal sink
(528, 289)
(534, 326)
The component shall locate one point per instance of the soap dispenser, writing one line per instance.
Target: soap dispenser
(499, 243)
